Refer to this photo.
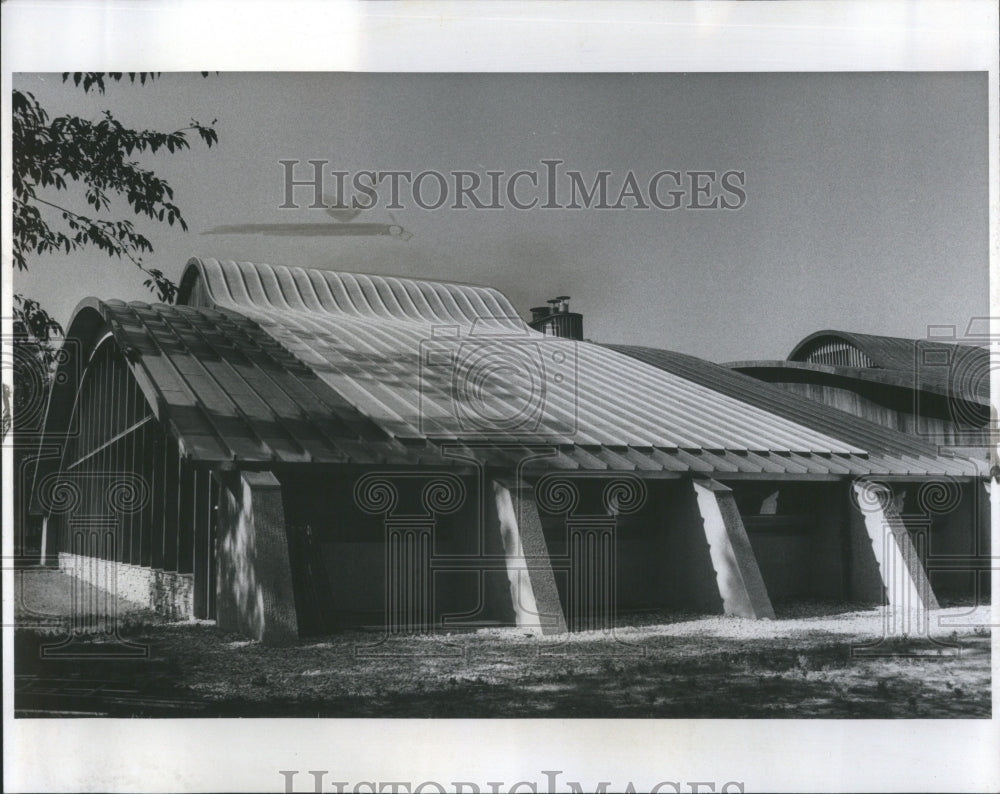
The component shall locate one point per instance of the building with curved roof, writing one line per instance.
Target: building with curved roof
(290, 450)
(938, 390)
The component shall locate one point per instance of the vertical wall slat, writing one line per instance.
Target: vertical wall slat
(116, 452)
(171, 492)
(202, 544)
(213, 512)
(196, 494)
(160, 503)
(118, 457)
(94, 488)
(185, 517)
(174, 529)
(144, 537)
(127, 464)
(98, 478)
(102, 465)
(181, 533)
(134, 459)
(80, 477)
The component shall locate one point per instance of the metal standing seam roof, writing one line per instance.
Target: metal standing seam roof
(292, 365)
(229, 392)
(374, 340)
(892, 449)
(395, 350)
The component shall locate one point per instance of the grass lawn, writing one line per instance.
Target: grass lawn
(808, 663)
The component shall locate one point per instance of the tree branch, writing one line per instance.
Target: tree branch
(166, 288)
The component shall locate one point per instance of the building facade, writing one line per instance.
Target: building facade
(292, 451)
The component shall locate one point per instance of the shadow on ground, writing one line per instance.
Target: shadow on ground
(193, 670)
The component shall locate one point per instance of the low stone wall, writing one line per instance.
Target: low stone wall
(165, 592)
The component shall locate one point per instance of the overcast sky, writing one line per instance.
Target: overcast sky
(866, 203)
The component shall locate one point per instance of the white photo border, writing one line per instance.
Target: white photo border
(246, 755)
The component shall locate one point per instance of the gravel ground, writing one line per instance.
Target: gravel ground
(816, 660)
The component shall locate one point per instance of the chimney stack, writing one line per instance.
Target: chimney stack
(557, 320)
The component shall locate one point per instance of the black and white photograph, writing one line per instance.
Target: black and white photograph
(505, 420)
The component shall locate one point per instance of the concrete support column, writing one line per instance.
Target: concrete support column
(864, 580)
(254, 584)
(533, 591)
(901, 571)
(737, 576)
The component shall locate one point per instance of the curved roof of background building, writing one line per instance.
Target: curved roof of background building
(886, 352)
(271, 364)
(951, 369)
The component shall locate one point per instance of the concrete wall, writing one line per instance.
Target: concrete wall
(165, 592)
(785, 561)
(686, 554)
(661, 556)
(684, 548)
(642, 582)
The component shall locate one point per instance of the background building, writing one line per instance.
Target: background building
(930, 388)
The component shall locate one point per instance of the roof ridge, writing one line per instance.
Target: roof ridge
(350, 296)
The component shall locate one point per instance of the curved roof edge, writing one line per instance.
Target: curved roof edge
(356, 296)
(858, 340)
(87, 326)
(931, 361)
